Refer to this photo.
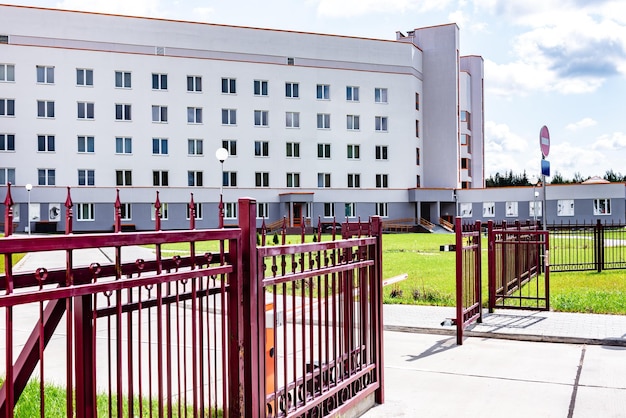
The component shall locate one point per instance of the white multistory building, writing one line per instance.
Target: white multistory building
(317, 126)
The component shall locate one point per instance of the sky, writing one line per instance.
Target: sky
(558, 63)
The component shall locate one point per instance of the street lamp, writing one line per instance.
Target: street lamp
(534, 180)
(222, 155)
(29, 187)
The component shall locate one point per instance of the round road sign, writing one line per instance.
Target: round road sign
(544, 141)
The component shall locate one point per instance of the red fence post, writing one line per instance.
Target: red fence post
(118, 212)
(377, 300)
(491, 266)
(8, 213)
(459, 280)
(478, 272)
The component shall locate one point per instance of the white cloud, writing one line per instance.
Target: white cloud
(203, 13)
(124, 7)
(581, 124)
(505, 150)
(612, 142)
(346, 8)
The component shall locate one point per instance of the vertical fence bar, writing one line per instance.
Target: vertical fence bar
(459, 280)
(477, 255)
(491, 266)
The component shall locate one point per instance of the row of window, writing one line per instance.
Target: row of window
(565, 207)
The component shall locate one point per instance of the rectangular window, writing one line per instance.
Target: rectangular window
(292, 90)
(417, 101)
(466, 117)
(7, 142)
(350, 210)
(464, 163)
(7, 175)
(164, 212)
(382, 180)
(261, 148)
(45, 109)
(125, 212)
(231, 146)
(381, 210)
(194, 83)
(197, 209)
(417, 128)
(489, 209)
(381, 152)
(292, 119)
(86, 144)
(229, 179)
(159, 114)
(352, 122)
(293, 179)
(194, 178)
(123, 112)
(467, 141)
(194, 115)
(354, 152)
(85, 212)
(260, 88)
(159, 81)
(323, 150)
(7, 107)
(323, 92)
(230, 210)
(323, 180)
(418, 181)
(293, 150)
(352, 94)
(229, 85)
(86, 177)
(123, 178)
(84, 77)
(261, 118)
(381, 123)
(122, 79)
(160, 146)
(123, 145)
(323, 121)
(602, 206)
(45, 143)
(229, 116)
(195, 146)
(45, 74)
(7, 72)
(380, 95)
(86, 110)
(262, 179)
(417, 156)
(354, 180)
(329, 210)
(46, 176)
(262, 210)
(160, 178)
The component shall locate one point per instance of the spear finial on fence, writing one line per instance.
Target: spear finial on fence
(192, 213)
(69, 215)
(118, 211)
(8, 212)
(263, 232)
(157, 213)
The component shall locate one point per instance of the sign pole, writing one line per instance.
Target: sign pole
(544, 144)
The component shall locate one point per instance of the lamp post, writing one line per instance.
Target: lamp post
(534, 180)
(29, 187)
(222, 155)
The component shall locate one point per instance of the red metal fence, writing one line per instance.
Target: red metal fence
(468, 276)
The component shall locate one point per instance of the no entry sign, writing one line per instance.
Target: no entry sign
(544, 141)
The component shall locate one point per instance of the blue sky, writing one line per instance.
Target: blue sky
(559, 63)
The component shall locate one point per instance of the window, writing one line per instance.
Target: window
(417, 101)
(380, 95)
(194, 115)
(86, 177)
(122, 79)
(261, 148)
(123, 178)
(159, 114)
(7, 72)
(511, 210)
(262, 210)
(293, 179)
(197, 208)
(231, 146)
(354, 180)
(466, 117)
(381, 152)
(7, 107)
(354, 152)
(195, 146)
(292, 90)
(229, 179)
(323, 150)
(45, 74)
(46, 176)
(467, 140)
(350, 210)
(290, 61)
(323, 121)
(261, 118)
(45, 109)
(329, 210)
(86, 144)
(381, 209)
(352, 94)
(382, 180)
(230, 210)
(418, 181)
(85, 110)
(123, 145)
(229, 85)
(489, 209)
(323, 180)
(85, 212)
(164, 212)
(194, 178)
(292, 119)
(260, 88)
(417, 156)
(84, 77)
(602, 206)
(323, 92)
(7, 175)
(194, 83)
(262, 179)
(565, 207)
(45, 143)
(352, 122)
(381, 123)
(7, 142)
(160, 178)
(123, 112)
(229, 116)
(159, 81)
(159, 146)
(125, 212)
(465, 184)
(417, 128)
(293, 150)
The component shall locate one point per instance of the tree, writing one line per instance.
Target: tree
(614, 177)
(558, 178)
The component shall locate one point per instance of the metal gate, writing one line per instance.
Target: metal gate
(468, 276)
